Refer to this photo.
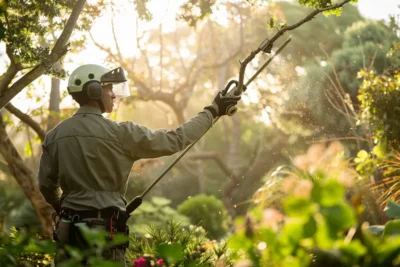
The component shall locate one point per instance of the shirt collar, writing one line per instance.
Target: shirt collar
(88, 109)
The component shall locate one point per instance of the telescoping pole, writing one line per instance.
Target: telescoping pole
(135, 203)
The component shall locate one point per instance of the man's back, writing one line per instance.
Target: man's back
(89, 161)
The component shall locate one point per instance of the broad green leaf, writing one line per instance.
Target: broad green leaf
(298, 207)
(353, 250)
(362, 155)
(103, 263)
(93, 236)
(120, 239)
(392, 228)
(392, 210)
(328, 193)
(338, 217)
(293, 230)
(376, 229)
(310, 228)
(171, 253)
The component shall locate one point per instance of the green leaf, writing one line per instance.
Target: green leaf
(339, 217)
(239, 241)
(120, 239)
(376, 229)
(297, 207)
(170, 253)
(353, 250)
(104, 263)
(328, 194)
(362, 155)
(392, 228)
(392, 210)
(310, 228)
(271, 23)
(93, 236)
(379, 151)
(293, 230)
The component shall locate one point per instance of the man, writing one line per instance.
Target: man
(86, 160)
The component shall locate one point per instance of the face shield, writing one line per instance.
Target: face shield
(117, 78)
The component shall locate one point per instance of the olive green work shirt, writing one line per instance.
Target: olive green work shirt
(90, 157)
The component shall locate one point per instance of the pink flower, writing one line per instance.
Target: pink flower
(140, 262)
(160, 262)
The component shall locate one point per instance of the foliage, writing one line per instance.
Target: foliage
(142, 10)
(194, 11)
(28, 29)
(23, 247)
(320, 162)
(317, 228)
(207, 211)
(365, 45)
(177, 246)
(389, 186)
(156, 212)
(379, 97)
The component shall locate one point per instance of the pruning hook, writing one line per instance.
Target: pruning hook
(228, 91)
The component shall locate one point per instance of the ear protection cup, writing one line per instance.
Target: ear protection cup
(94, 90)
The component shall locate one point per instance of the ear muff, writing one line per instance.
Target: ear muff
(94, 90)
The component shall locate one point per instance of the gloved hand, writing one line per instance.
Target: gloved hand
(221, 104)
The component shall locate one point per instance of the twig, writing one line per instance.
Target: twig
(269, 42)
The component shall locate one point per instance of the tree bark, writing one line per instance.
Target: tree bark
(54, 104)
(27, 180)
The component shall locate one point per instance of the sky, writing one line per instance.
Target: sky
(378, 10)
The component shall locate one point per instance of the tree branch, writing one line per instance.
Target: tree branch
(58, 51)
(27, 119)
(267, 43)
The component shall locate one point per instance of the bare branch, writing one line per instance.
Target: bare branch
(12, 70)
(269, 42)
(213, 156)
(58, 51)
(28, 120)
(115, 40)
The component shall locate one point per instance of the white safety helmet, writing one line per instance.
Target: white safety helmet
(96, 73)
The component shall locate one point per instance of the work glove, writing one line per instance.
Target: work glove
(223, 104)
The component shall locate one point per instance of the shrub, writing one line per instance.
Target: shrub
(209, 212)
(156, 212)
(173, 245)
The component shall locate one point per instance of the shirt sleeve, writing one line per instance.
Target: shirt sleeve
(139, 141)
(48, 179)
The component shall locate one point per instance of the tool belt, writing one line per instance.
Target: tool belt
(113, 220)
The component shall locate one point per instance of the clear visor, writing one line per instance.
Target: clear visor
(121, 90)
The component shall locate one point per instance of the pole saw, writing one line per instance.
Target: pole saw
(238, 89)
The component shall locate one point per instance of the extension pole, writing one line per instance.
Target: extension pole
(135, 203)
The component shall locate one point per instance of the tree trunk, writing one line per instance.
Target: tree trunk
(54, 104)
(27, 180)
